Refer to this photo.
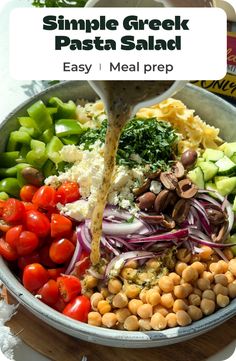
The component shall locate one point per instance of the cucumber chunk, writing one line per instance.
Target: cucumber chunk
(225, 186)
(232, 239)
(196, 176)
(229, 149)
(226, 166)
(212, 155)
(209, 170)
(234, 205)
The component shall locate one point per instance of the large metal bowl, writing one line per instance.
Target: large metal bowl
(212, 109)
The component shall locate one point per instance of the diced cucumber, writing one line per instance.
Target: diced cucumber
(233, 158)
(234, 205)
(229, 149)
(232, 239)
(209, 170)
(212, 155)
(211, 186)
(199, 161)
(196, 176)
(226, 166)
(225, 186)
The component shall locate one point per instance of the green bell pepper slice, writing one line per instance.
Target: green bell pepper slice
(9, 159)
(40, 114)
(47, 135)
(38, 155)
(53, 148)
(10, 186)
(17, 137)
(8, 172)
(4, 196)
(64, 110)
(67, 127)
(72, 139)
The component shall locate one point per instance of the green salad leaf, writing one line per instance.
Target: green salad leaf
(143, 141)
(59, 3)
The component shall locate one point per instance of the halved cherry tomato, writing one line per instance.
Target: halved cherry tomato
(34, 276)
(26, 243)
(2, 204)
(68, 192)
(83, 264)
(49, 292)
(45, 197)
(27, 192)
(69, 287)
(60, 226)
(45, 258)
(30, 206)
(61, 251)
(7, 252)
(13, 211)
(23, 261)
(38, 223)
(59, 305)
(13, 235)
(54, 273)
(78, 308)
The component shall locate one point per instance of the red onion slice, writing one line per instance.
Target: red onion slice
(177, 235)
(75, 258)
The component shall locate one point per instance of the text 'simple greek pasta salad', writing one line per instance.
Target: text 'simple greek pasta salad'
(168, 246)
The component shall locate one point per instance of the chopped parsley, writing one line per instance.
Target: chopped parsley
(153, 141)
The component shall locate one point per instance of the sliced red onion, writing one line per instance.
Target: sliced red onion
(210, 244)
(123, 242)
(75, 258)
(119, 261)
(208, 199)
(180, 234)
(108, 245)
(84, 237)
(200, 209)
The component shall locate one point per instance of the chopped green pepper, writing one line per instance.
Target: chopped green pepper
(49, 168)
(72, 139)
(17, 137)
(47, 135)
(64, 110)
(8, 172)
(9, 159)
(67, 127)
(4, 196)
(40, 114)
(21, 180)
(28, 122)
(10, 186)
(53, 148)
(30, 131)
(37, 156)
(51, 111)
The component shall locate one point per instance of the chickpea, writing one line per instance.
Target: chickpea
(171, 320)
(232, 290)
(103, 307)
(144, 277)
(224, 265)
(207, 306)
(219, 289)
(167, 300)
(183, 318)
(114, 286)
(195, 258)
(131, 323)
(180, 291)
(166, 284)
(232, 266)
(90, 281)
(133, 305)
(120, 300)
(175, 278)
(222, 300)
(109, 320)
(153, 297)
(145, 324)
(203, 284)
(132, 263)
(229, 276)
(180, 305)
(153, 264)
(128, 273)
(160, 309)
(88, 293)
(206, 253)
(189, 274)
(179, 267)
(104, 291)
(143, 295)
(228, 253)
(209, 294)
(95, 319)
(188, 288)
(222, 279)
(145, 311)
(218, 267)
(184, 255)
(158, 321)
(194, 299)
(207, 275)
(122, 314)
(95, 298)
(198, 266)
(156, 288)
(198, 292)
(195, 313)
(132, 291)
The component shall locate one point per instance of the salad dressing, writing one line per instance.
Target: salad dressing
(120, 98)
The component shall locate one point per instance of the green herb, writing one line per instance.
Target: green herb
(130, 220)
(59, 3)
(153, 141)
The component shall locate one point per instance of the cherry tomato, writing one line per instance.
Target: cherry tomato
(13, 211)
(61, 251)
(59, 305)
(12, 236)
(30, 206)
(27, 192)
(45, 258)
(78, 308)
(38, 223)
(45, 197)
(26, 243)
(7, 252)
(69, 287)
(23, 261)
(34, 276)
(83, 264)
(49, 292)
(54, 273)
(2, 204)
(60, 226)
(68, 192)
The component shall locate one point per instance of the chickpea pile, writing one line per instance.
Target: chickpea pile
(198, 286)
